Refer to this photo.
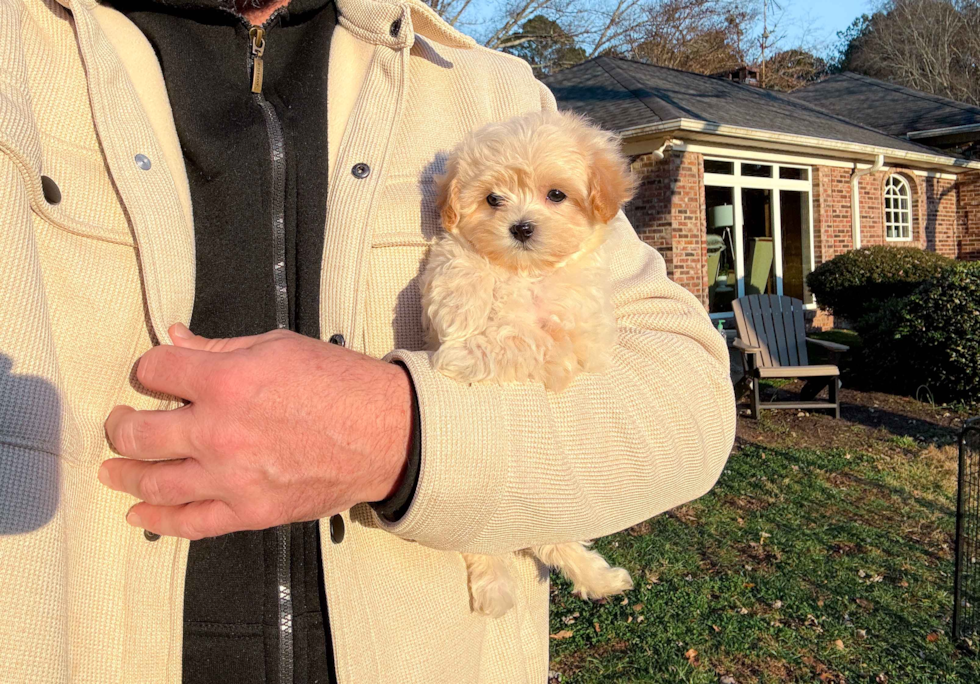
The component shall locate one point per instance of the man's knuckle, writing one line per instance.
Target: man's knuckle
(223, 383)
(222, 440)
(151, 490)
(190, 529)
(267, 512)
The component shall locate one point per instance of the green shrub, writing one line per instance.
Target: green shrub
(929, 339)
(857, 283)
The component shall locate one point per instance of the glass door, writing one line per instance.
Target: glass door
(760, 232)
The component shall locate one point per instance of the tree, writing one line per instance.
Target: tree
(848, 43)
(705, 36)
(549, 33)
(929, 45)
(545, 45)
(792, 69)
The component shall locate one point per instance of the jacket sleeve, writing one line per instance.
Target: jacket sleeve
(506, 467)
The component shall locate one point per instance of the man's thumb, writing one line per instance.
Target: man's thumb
(183, 337)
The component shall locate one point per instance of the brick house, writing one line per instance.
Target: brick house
(744, 190)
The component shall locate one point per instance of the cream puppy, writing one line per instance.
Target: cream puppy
(517, 291)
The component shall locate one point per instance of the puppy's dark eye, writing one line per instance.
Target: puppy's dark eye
(494, 200)
(556, 196)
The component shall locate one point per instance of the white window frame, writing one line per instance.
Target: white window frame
(903, 225)
(737, 181)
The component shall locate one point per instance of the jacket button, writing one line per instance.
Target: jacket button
(142, 162)
(150, 536)
(338, 339)
(52, 193)
(396, 26)
(336, 529)
(361, 170)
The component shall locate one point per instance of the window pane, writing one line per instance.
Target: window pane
(722, 280)
(904, 203)
(795, 234)
(789, 173)
(757, 241)
(717, 166)
(888, 202)
(757, 170)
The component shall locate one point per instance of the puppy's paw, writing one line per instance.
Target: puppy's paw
(492, 599)
(558, 373)
(463, 363)
(606, 582)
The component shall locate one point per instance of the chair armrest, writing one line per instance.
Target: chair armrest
(746, 348)
(832, 346)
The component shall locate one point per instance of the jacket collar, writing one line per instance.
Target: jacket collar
(375, 21)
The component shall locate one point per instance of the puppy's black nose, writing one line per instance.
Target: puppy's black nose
(522, 231)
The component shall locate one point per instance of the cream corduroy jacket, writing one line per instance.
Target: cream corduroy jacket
(90, 283)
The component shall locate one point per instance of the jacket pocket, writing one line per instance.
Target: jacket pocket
(393, 315)
(74, 192)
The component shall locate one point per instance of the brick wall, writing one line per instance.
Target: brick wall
(831, 212)
(968, 215)
(668, 214)
(936, 223)
(940, 225)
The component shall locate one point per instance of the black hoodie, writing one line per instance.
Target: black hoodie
(257, 167)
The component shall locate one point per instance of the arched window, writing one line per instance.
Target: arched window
(898, 208)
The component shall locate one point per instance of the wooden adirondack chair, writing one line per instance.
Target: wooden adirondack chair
(772, 340)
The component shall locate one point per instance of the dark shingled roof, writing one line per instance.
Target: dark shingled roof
(619, 94)
(888, 107)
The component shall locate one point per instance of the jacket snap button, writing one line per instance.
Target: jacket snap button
(52, 193)
(338, 339)
(396, 26)
(150, 536)
(361, 170)
(143, 162)
(336, 529)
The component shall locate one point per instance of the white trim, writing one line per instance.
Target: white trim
(940, 132)
(886, 195)
(732, 153)
(784, 159)
(736, 182)
(789, 142)
(923, 174)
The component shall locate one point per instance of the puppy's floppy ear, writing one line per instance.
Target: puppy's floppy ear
(610, 179)
(447, 195)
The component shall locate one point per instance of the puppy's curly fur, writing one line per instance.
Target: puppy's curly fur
(516, 290)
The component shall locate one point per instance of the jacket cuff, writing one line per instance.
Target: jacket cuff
(464, 457)
(394, 507)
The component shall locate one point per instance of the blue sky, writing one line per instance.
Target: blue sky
(818, 21)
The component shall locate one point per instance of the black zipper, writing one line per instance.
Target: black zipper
(277, 154)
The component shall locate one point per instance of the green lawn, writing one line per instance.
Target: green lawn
(826, 564)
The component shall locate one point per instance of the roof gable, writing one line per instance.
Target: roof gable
(895, 109)
(620, 94)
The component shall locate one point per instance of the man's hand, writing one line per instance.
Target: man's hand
(280, 428)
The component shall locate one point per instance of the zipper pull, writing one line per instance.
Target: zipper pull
(258, 48)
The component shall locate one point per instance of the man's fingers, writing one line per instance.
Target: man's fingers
(163, 483)
(192, 521)
(172, 370)
(150, 435)
(182, 337)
